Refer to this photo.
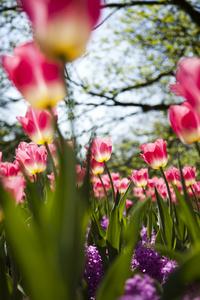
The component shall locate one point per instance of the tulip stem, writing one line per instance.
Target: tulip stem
(168, 190)
(106, 196)
(111, 181)
(197, 148)
(51, 161)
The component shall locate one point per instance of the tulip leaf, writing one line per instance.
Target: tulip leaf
(165, 222)
(123, 201)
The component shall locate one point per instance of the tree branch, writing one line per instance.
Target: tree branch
(4, 9)
(188, 8)
(133, 3)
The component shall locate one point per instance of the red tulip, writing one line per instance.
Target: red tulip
(62, 28)
(155, 154)
(31, 158)
(188, 81)
(140, 177)
(39, 125)
(39, 80)
(185, 122)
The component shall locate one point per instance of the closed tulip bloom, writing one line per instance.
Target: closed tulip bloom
(101, 149)
(96, 167)
(121, 185)
(128, 203)
(31, 158)
(38, 79)
(80, 175)
(173, 175)
(185, 122)
(39, 125)
(140, 177)
(8, 169)
(62, 28)
(155, 154)
(189, 175)
(188, 81)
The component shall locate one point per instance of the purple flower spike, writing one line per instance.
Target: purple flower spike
(93, 270)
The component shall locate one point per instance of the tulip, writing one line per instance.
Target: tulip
(80, 175)
(128, 203)
(196, 188)
(96, 167)
(138, 192)
(173, 175)
(140, 177)
(38, 79)
(121, 185)
(15, 187)
(98, 185)
(189, 175)
(8, 169)
(185, 122)
(39, 125)
(155, 154)
(188, 81)
(62, 28)
(101, 149)
(31, 158)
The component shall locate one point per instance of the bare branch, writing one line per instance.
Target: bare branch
(133, 3)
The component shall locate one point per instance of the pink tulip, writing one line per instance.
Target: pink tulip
(62, 28)
(96, 167)
(38, 79)
(52, 180)
(15, 187)
(196, 188)
(98, 185)
(80, 175)
(151, 183)
(128, 203)
(121, 185)
(31, 158)
(155, 154)
(39, 125)
(140, 177)
(8, 169)
(173, 175)
(189, 175)
(185, 122)
(101, 149)
(188, 81)
(138, 192)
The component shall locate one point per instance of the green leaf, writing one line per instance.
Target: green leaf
(165, 222)
(123, 201)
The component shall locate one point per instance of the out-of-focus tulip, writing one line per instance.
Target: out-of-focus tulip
(140, 177)
(128, 203)
(196, 188)
(151, 183)
(98, 185)
(80, 175)
(121, 185)
(185, 122)
(155, 154)
(96, 167)
(31, 158)
(39, 125)
(38, 79)
(189, 175)
(15, 187)
(101, 149)
(62, 28)
(173, 175)
(8, 169)
(138, 192)
(188, 81)
(52, 179)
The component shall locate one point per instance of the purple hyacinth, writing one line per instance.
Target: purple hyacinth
(148, 261)
(93, 271)
(140, 288)
(104, 222)
(168, 268)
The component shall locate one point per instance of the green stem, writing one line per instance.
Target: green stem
(169, 193)
(196, 200)
(111, 181)
(197, 148)
(144, 191)
(51, 161)
(106, 196)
